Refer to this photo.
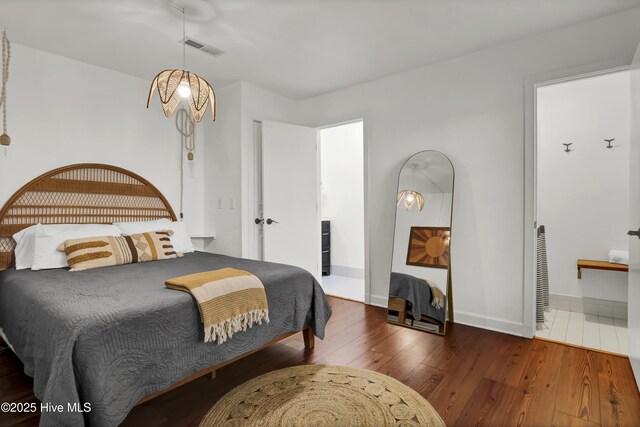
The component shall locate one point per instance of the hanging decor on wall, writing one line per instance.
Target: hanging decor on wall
(567, 149)
(410, 198)
(609, 141)
(187, 129)
(174, 85)
(6, 56)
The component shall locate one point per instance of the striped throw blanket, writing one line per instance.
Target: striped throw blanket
(229, 300)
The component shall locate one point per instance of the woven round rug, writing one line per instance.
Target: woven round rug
(321, 395)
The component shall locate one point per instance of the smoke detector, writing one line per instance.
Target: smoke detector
(214, 51)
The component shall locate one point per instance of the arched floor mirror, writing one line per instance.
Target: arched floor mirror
(420, 294)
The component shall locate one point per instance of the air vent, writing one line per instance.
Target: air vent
(193, 43)
(202, 47)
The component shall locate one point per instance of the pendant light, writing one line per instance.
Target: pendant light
(174, 85)
(410, 198)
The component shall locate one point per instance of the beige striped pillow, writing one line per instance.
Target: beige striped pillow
(105, 251)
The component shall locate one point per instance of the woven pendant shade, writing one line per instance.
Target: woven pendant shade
(201, 93)
(410, 198)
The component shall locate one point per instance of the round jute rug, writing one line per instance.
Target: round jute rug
(321, 395)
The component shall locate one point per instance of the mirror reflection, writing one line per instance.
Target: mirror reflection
(420, 285)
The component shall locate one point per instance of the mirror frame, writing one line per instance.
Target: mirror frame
(442, 329)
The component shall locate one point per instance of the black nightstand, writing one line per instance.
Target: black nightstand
(326, 248)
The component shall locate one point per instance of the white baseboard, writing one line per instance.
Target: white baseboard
(593, 306)
(379, 300)
(344, 271)
(469, 319)
(488, 322)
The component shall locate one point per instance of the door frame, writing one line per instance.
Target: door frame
(531, 85)
(345, 120)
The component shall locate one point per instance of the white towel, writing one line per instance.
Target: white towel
(618, 257)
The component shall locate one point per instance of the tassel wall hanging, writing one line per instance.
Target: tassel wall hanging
(186, 127)
(5, 140)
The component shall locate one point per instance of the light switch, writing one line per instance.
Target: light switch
(219, 203)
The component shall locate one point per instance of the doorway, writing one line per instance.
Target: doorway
(342, 207)
(581, 205)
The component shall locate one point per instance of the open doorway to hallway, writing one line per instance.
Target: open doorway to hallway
(342, 210)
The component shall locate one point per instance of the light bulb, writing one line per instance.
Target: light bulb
(183, 89)
(410, 198)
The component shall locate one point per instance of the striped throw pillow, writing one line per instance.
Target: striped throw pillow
(105, 251)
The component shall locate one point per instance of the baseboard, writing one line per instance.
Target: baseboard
(593, 306)
(488, 322)
(344, 271)
(469, 319)
(379, 300)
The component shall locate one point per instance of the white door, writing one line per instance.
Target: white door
(634, 205)
(290, 195)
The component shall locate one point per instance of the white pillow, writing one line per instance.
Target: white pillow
(25, 246)
(181, 240)
(129, 228)
(49, 236)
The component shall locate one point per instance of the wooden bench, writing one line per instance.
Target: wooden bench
(599, 265)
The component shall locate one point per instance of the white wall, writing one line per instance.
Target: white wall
(342, 195)
(583, 196)
(62, 111)
(472, 109)
(222, 185)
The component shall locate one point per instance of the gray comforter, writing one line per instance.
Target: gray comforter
(111, 336)
(417, 292)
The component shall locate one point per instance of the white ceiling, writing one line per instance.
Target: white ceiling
(298, 48)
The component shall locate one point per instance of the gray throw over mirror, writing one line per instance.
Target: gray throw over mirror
(420, 294)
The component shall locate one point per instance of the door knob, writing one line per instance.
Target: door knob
(258, 221)
(271, 221)
(634, 233)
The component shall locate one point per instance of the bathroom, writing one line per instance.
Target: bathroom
(582, 210)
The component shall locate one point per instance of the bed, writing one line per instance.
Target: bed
(410, 297)
(115, 337)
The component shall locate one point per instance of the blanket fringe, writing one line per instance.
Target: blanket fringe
(224, 330)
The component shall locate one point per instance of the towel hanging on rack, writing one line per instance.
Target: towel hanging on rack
(542, 278)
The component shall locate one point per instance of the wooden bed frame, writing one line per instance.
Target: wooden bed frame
(93, 193)
(401, 305)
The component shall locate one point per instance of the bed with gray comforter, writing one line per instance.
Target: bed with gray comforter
(111, 336)
(417, 292)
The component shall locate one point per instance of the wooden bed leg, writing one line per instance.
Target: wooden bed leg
(402, 315)
(309, 338)
(213, 375)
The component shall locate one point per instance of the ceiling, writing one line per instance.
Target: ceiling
(298, 48)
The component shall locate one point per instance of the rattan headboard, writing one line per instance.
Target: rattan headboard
(89, 193)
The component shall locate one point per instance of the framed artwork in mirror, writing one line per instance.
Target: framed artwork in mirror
(429, 247)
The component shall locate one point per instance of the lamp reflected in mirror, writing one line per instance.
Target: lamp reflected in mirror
(410, 198)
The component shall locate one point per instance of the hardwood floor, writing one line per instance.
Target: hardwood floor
(472, 377)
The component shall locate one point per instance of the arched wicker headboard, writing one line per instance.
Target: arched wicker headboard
(89, 193)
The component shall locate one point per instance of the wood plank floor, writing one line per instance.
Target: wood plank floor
(472, 377)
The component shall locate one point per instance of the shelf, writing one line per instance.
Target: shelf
(599, 265)
(203, 236)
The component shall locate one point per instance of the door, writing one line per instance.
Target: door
(634, 205)
(290, 195)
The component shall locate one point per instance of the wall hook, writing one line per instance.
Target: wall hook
(609, 141)
(567, 149)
